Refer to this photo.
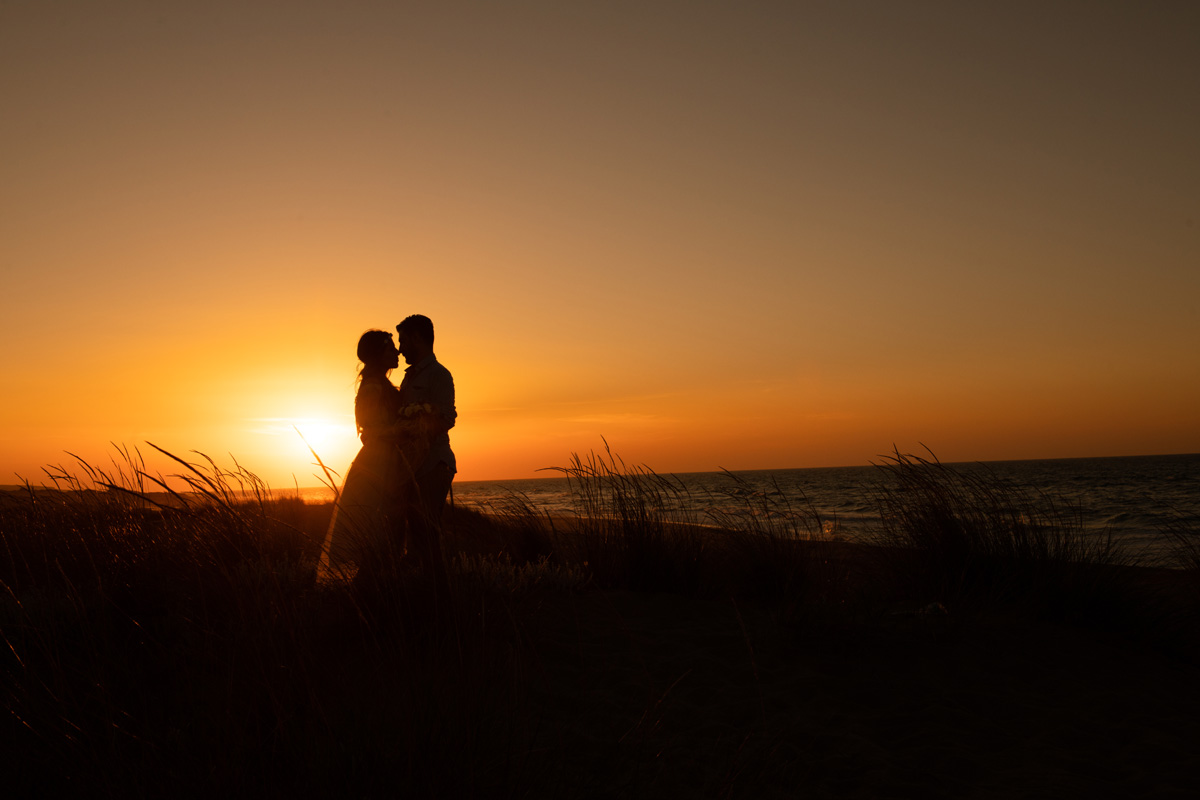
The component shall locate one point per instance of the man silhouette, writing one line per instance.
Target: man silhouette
(427, 382)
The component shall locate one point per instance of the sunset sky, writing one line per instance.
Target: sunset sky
(718, 235)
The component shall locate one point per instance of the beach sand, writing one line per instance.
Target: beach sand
(656, 695)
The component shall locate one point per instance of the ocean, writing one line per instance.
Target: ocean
(1132, 497)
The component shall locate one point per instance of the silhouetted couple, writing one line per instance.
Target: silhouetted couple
(392, 498)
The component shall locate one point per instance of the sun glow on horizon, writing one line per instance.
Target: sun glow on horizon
(288, 444)
(776, 236)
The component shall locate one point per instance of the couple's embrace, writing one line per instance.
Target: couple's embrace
(391, 501)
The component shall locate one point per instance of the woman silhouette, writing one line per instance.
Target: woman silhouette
(367, 514)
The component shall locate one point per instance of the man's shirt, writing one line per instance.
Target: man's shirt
(427, 381)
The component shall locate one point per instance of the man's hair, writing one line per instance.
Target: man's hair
(418, 325)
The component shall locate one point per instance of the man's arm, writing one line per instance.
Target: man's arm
(441, 396)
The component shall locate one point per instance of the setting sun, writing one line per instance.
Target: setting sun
(333, 441)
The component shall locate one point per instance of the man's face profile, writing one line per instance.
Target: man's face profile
(393, 356)
(409, 346)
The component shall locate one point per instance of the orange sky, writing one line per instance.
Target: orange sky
(792, 234)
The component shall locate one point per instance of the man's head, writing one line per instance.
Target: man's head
(415, 336)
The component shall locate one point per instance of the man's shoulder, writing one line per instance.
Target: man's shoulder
(439, 368)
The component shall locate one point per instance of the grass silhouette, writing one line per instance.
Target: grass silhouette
(162, 640)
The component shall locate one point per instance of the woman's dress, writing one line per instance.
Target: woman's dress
(367, 513)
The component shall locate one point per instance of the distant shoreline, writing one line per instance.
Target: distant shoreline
(552, 474)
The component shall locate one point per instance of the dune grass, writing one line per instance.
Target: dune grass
(965, 537)
(1184, 535)
(631, 526)
(163, 641)
(187, 646)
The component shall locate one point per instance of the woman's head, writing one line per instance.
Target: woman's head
(376, 351)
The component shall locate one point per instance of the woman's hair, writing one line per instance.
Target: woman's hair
(375, 350)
